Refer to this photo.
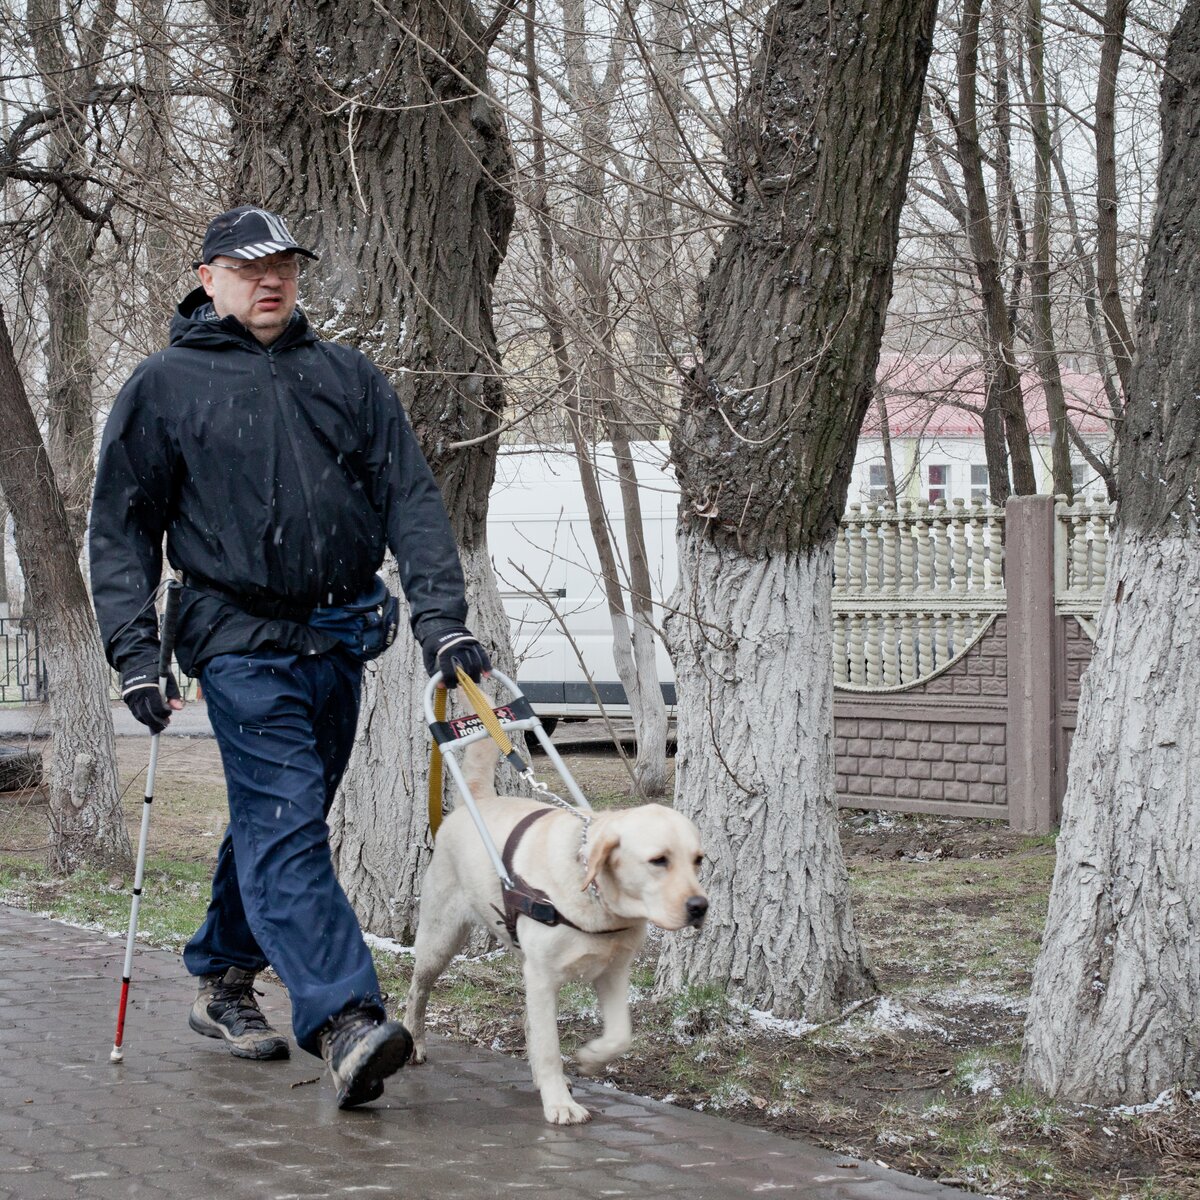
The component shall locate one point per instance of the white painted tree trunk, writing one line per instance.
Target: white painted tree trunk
(1116, 992)
(752, 643)
(649, 713)
(379, 826)
(87, 824)
(637, 669)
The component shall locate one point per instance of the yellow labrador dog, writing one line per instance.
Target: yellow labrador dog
(606, 879)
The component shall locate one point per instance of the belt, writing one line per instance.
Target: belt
(266, 608)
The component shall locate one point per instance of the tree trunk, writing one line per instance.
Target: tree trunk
(85, 811)
(792, 317)
(885, 437)
(1045, 351)
(1116, 403)
(389, 151)
(1115, 12)
(4, 552)
(66, 272)
(1004, 381)
(1116, 992)
(660, 324)
(649, 709)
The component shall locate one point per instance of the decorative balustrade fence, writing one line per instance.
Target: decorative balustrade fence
(914, 588)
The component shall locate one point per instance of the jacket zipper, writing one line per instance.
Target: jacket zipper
(286, 417)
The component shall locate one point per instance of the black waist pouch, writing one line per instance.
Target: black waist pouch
(366, 626)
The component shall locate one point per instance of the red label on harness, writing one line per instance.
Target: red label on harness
(463, 727)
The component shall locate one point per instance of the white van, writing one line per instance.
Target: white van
(546, 564)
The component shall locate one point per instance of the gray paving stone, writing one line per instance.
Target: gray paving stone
(182, 1118)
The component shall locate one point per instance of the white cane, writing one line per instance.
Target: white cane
(166, 648)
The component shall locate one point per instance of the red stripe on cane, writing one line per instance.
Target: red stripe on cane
(121, 1014)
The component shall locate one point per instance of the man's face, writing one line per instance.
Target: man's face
(264, 305)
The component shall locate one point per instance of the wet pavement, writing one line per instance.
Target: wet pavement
(181, 1118)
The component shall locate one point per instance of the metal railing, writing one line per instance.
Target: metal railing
(22, 676)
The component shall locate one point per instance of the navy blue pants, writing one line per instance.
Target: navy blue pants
(285, 725)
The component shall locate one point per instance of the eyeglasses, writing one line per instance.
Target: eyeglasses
(256, 269)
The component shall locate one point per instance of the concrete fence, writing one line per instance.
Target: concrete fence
(960, 637)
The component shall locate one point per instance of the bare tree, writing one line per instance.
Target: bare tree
(85, 810)
(68, 80)
(585, 357)
(66, 176)
(389, 149)
(792, 315)
(1116, 997)
(1004, 381)
(1045, 351)
(1120, 342)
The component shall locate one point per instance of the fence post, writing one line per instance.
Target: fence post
(1029, 578)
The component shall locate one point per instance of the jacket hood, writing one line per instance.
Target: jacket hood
(196, 324)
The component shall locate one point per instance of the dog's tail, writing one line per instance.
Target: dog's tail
(479, 766)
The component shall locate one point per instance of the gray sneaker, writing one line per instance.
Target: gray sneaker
(361, 1051)
(226, 1008)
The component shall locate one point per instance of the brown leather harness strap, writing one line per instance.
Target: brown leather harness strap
(523, 899)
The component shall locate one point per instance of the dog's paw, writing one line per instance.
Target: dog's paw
(568, 1113)
(592, 1062)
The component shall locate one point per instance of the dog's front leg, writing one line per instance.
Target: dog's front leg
(541, 1040)
(612, 992)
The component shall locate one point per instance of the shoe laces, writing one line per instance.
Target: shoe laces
(344, 1030)
(239, 996)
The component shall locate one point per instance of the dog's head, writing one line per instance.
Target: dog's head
(645, 862)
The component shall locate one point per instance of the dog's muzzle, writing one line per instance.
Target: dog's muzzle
(696, 907)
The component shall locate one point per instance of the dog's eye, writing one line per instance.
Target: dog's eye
(661, 861)
(699, 861)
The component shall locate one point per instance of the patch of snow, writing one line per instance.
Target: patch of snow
(961, 996)
(489, 956)
(981, 1078)
(765, 1020)
(1161, 1102)
(891, 1015)
(388, 944)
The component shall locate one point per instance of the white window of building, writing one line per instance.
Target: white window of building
(939, 483)
(878, 493)
(979, 484)
(1083, 478)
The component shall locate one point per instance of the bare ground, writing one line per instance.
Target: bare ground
(923, 1078)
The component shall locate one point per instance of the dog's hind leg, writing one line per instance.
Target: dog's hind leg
(441, 935)
(612, 991)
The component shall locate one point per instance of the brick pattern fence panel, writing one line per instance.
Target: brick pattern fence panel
(938, 747)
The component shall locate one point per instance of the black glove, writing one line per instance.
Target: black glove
(139, 690)
(455, 645)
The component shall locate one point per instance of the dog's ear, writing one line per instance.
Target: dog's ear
(601, 843)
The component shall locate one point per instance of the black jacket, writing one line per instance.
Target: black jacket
(279, 475)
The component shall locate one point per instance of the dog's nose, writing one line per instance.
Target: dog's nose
(696, 907)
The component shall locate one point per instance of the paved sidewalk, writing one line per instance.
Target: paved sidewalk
(183, 1119)
(19, 721)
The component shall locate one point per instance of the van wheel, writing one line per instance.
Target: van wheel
(549, 724)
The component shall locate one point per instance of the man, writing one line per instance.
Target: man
(279, 467)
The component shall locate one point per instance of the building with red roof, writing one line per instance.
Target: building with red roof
(935, 426)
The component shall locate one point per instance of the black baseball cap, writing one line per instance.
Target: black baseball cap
(248, 232)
